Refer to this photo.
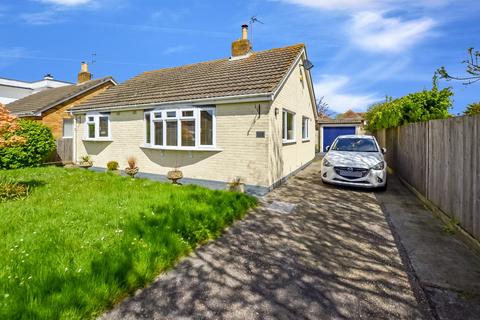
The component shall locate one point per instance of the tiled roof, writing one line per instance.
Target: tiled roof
(261, 72)
(49, 98)
(339, 121)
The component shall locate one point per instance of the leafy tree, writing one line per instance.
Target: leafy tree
(473, 108)
(419, 106)
(8, 125)
(39, 143)
(473, 69)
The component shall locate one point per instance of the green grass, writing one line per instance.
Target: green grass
(83, 240)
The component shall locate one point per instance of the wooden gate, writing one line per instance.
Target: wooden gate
(64, 151)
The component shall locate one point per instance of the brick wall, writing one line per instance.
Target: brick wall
(242, 154)
(53, 118)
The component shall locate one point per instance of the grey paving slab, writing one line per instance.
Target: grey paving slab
(448, 270)
(309, 251)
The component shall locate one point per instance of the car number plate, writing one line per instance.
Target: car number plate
(355, 174)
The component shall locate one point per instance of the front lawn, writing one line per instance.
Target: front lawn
(83, 240)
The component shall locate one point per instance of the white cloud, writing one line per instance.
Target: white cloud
(336, 5)
(337, 93)
(67, 3)
(355, 5)
(40, 18)
(371, 31)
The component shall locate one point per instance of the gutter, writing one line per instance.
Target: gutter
(215, 100)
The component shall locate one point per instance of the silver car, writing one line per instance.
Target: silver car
(355, 160)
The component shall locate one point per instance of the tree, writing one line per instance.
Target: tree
(473, 69)
(473, 108)
(414, 107)
(322, 108)
(8, 126)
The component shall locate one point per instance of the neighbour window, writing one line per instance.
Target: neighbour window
(288, 130)
(97, 126)
(305, 128)
(67, 128)
(181, 128)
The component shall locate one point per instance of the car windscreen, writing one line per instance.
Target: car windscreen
(355, 144)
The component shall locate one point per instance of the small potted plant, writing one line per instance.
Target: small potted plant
(132, 168)
(175, 175)
(236, 185)
(85, 162)
(112, 167)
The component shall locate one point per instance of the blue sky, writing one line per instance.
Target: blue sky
(362, 49)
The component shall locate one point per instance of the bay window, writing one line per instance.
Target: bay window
(305, 128)
(183, 128)
(288, 126)
(97, 126)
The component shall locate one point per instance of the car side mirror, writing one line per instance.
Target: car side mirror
(384, 150)
(327, 148)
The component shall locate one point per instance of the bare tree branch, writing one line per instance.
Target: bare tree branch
(473, 69)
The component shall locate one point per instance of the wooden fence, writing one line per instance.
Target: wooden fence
(64, 151)
(441, 159)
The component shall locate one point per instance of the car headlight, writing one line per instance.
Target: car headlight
(326, 163)
(379, 166)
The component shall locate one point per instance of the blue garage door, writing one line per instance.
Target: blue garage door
(330, 133)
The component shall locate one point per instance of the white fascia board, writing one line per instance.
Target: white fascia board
(303, 53)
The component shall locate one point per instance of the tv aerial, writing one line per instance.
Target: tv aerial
(253, 20)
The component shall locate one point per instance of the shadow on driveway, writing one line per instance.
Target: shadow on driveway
(309, 251)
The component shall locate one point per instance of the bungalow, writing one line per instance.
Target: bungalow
(249, 117)
(51, 107)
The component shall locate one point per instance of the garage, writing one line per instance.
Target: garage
(328, 129)
(330, 133)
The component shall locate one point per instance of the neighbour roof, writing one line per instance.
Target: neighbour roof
(348, 116)
(49, 98)
(339, 121)
(260, 72)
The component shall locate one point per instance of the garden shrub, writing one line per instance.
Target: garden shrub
(39, 144)
(472, 109)
(112, 165)
(419, 106)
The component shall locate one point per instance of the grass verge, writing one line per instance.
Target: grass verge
(83, 240)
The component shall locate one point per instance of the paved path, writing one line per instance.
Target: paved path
(447, 270)
(331, 256)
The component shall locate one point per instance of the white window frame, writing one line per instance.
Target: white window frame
(96, 121)
(306, 123)
(178, 118)
(284, 127)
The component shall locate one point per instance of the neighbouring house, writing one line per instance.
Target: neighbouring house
(51, 108)
(250, 117)
(350, 122)
(12, 90)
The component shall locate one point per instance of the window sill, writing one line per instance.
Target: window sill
(98, 140)
(214, 149)
(288, 142)
(306, 140)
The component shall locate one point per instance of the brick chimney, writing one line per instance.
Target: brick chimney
(84, 75)
(242, 46)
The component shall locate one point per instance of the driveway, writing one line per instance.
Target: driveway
(309, 251)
